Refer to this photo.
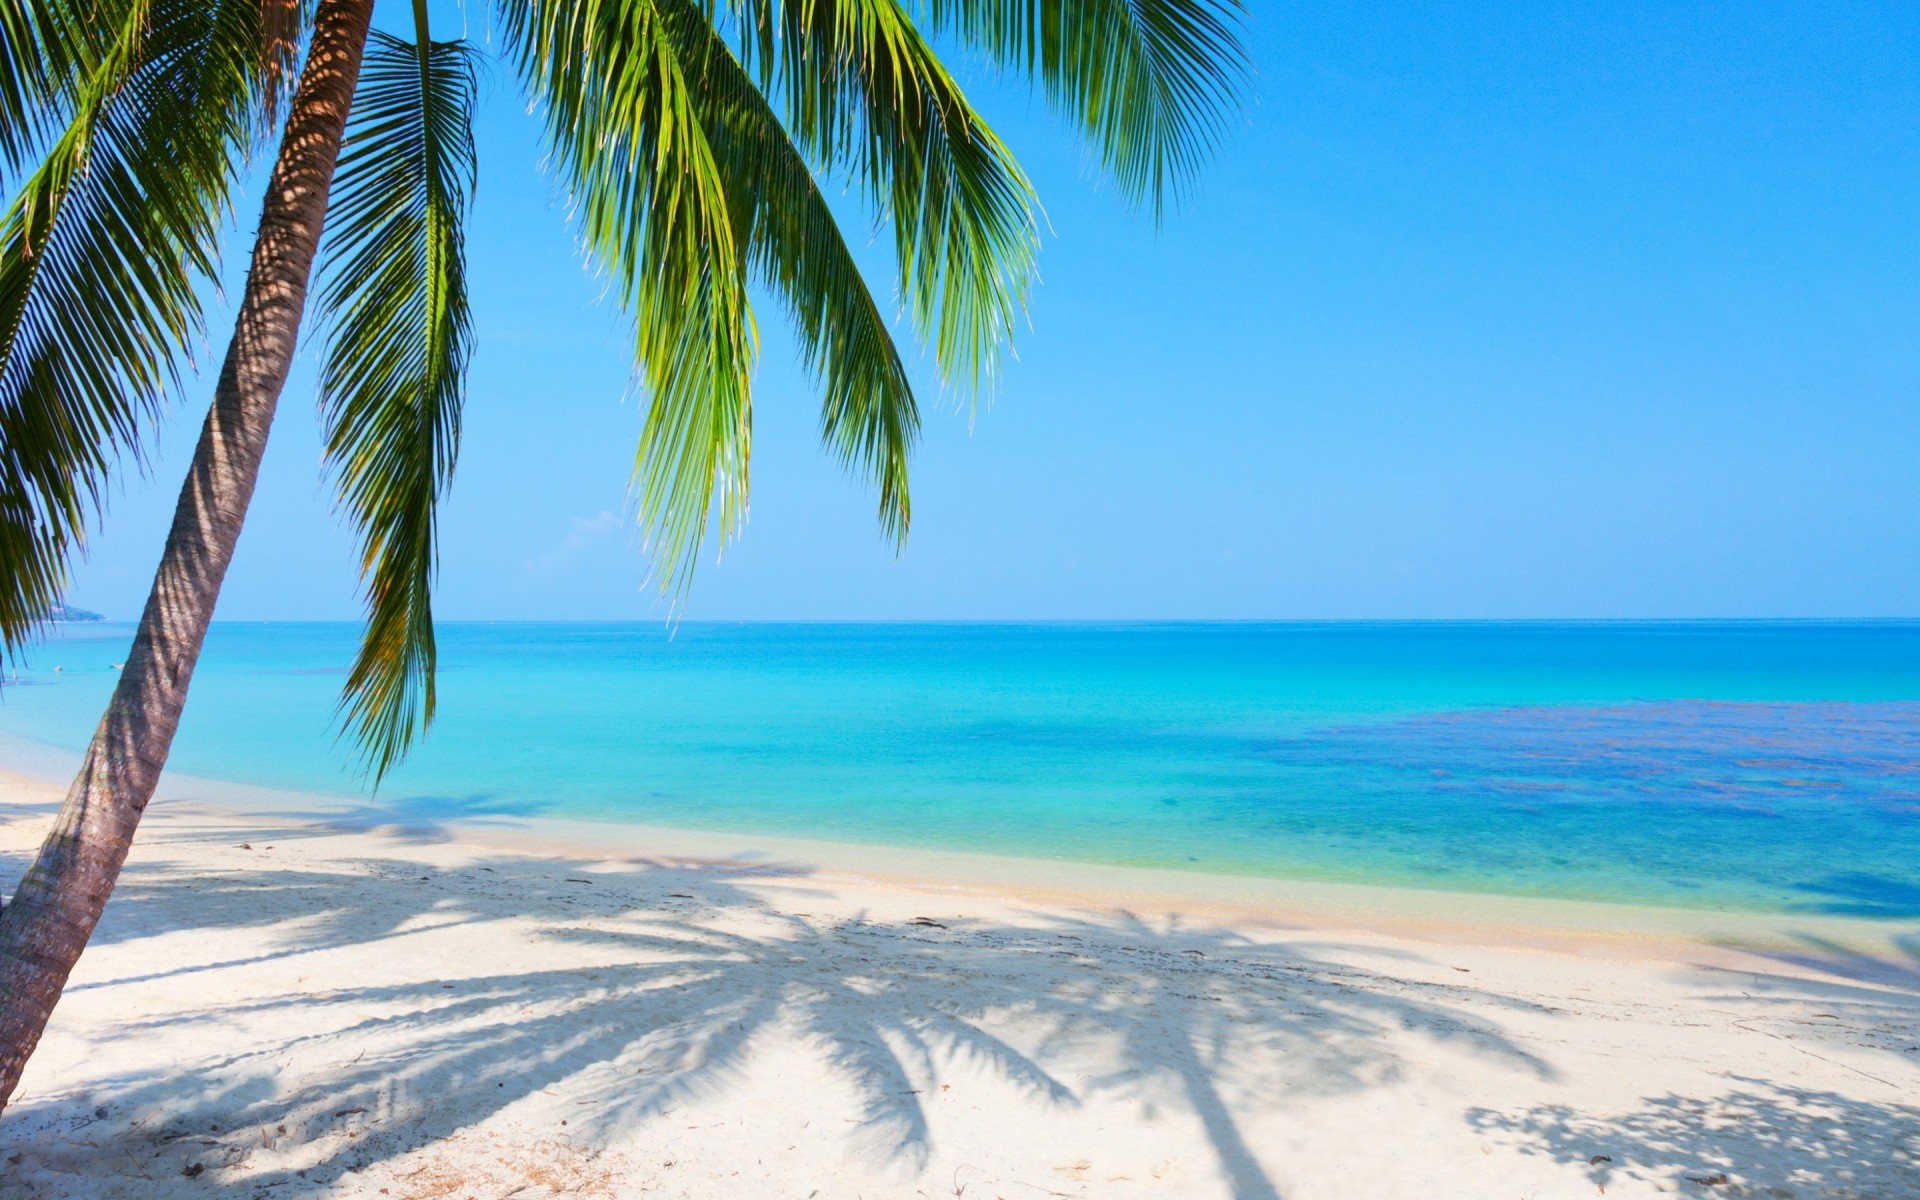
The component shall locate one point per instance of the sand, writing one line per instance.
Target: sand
(281, 1006)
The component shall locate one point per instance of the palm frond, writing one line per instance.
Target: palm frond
(393, 382)
(794, 247)
(653, 212)
(865, 94)
(688, 133)
(100, 253)
(46, 48)
(1149, 81)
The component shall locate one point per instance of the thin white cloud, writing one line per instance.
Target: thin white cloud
(584, 534)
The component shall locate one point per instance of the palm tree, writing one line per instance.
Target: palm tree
(691, 137)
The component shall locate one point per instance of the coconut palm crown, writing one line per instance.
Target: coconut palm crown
(693, 139)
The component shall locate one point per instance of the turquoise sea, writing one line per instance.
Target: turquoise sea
(1744, 765)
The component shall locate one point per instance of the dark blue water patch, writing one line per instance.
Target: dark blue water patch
(1789, 806)
(1855, 894)
(1746, 756)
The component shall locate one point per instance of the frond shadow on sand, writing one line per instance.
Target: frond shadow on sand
(1761, 1138)
(676, 998)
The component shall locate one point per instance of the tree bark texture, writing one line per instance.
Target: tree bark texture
(46, 924)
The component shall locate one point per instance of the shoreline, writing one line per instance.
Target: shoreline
(1583, 927)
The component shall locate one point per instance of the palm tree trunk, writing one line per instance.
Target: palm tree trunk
(47, 923)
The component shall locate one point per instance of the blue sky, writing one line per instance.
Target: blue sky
(1534, 310)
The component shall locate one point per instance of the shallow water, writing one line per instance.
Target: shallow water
(1762, 766)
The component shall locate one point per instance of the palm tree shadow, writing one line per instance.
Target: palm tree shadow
(14, 865)
(1762, 1139)
(419, 818)
(1899, 972)
(1194, 1007)
(1858, 998)
(309, 910)
(14, 812)
(692, 967)
(1858, 894)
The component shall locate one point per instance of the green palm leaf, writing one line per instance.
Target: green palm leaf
(795, 248)
(46, 48)
(1149, 81)
(687, 186)
(654, 213)
(394, 378)
(100, 254)
(866, 96)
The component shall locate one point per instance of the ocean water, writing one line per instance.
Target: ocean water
(1739, 765)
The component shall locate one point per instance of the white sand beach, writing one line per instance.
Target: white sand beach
(279, 1007)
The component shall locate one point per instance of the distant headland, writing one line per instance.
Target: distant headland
(66, 612)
